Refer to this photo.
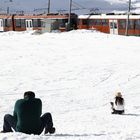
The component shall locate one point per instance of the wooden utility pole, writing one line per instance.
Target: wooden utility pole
(49, 3)
(69, 20)
(127, 21)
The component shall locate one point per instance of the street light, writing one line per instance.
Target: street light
(127, 21)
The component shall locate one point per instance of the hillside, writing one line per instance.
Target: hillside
(76, 74)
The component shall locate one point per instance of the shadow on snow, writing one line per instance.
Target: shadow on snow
(74, 135)
(130, 114)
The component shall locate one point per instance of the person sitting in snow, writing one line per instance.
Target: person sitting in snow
(27, 117)
(118, 106)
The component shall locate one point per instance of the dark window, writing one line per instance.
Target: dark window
(20, 22)
(131, 24)
(62, 22)
(122, 24)
(7, 22)
(30, 24)
(97, 22)
(104, 22)
(37, 23)
(84, 22)
(1, 22)
(115, 25)
(74, 23)
(27, 24)
(111, 25)
(137, 24)
(91, 22)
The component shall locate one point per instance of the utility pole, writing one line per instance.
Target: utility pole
(49, 3)
(8, 8)
(69, 20)
(127, 21)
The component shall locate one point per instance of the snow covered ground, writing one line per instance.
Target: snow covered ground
(76, 74)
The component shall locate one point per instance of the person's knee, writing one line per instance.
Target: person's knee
(7, 116)
(48, 114)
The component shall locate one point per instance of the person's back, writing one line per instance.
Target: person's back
(28, 112)
(118, 107)
(27, 117)
(119, 102)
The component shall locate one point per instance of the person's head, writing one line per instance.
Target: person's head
(29, 94)
(119, 99)
(118, 94)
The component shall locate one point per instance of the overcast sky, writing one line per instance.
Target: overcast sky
(30, 5)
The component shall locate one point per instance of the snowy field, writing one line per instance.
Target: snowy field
(76, 74)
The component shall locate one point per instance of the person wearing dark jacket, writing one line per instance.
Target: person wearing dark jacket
(27, 117)
(118, 106)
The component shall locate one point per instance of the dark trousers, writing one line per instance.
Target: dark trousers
(117, 111)
(114, 110)
(10, 122)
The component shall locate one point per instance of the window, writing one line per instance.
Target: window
(30, 23)
(97, 22)
(91, 22)
(122, 24)
(20, 22)
(115, 25)
(111, 25)
(74, 23)
(137, 24)
(7, 22)
(37, 23)
(104, 22)
(131, 24)
(84, 21)
(1, 23)
(27, 24)
(62, 22)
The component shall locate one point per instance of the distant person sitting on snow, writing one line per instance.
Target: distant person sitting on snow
(27, 117)
(118, 106)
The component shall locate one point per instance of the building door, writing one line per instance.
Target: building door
(113, 25)
(29, 24)
(1, 25)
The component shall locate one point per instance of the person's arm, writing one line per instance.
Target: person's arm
(15, 112)
(116, 100)
(40, 107)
